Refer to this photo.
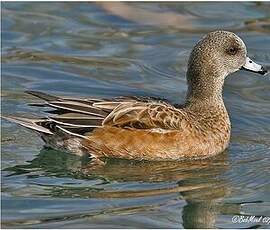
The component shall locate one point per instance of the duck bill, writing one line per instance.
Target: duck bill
(253, 67)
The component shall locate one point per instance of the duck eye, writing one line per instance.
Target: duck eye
(232, 51)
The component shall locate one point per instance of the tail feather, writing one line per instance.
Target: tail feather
(78, 107)
(43, 96)
(28, 123)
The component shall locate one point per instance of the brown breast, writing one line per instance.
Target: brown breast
(202, 134)
(138, 144)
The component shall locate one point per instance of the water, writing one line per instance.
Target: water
(83, 49)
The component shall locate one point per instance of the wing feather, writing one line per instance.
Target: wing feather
(83, 114)
(145, 115)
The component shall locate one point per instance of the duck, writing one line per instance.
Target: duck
(147, 128)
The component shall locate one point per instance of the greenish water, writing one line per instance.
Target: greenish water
(84, 49)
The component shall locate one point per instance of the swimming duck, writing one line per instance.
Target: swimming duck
(145, 128)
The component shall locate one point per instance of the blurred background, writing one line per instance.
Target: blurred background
(110, 49)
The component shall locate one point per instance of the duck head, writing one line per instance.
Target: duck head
(213, 58)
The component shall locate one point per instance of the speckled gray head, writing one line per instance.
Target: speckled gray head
(225, 52)
(217, 55)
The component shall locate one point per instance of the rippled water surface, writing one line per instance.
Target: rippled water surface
(89, 49)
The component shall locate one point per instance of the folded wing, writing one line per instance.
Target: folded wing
(81, 115)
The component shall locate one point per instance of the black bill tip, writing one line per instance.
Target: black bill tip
(263, 71)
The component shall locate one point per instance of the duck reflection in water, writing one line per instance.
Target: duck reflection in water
(200, 183)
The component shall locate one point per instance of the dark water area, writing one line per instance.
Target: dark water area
(92, 50)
